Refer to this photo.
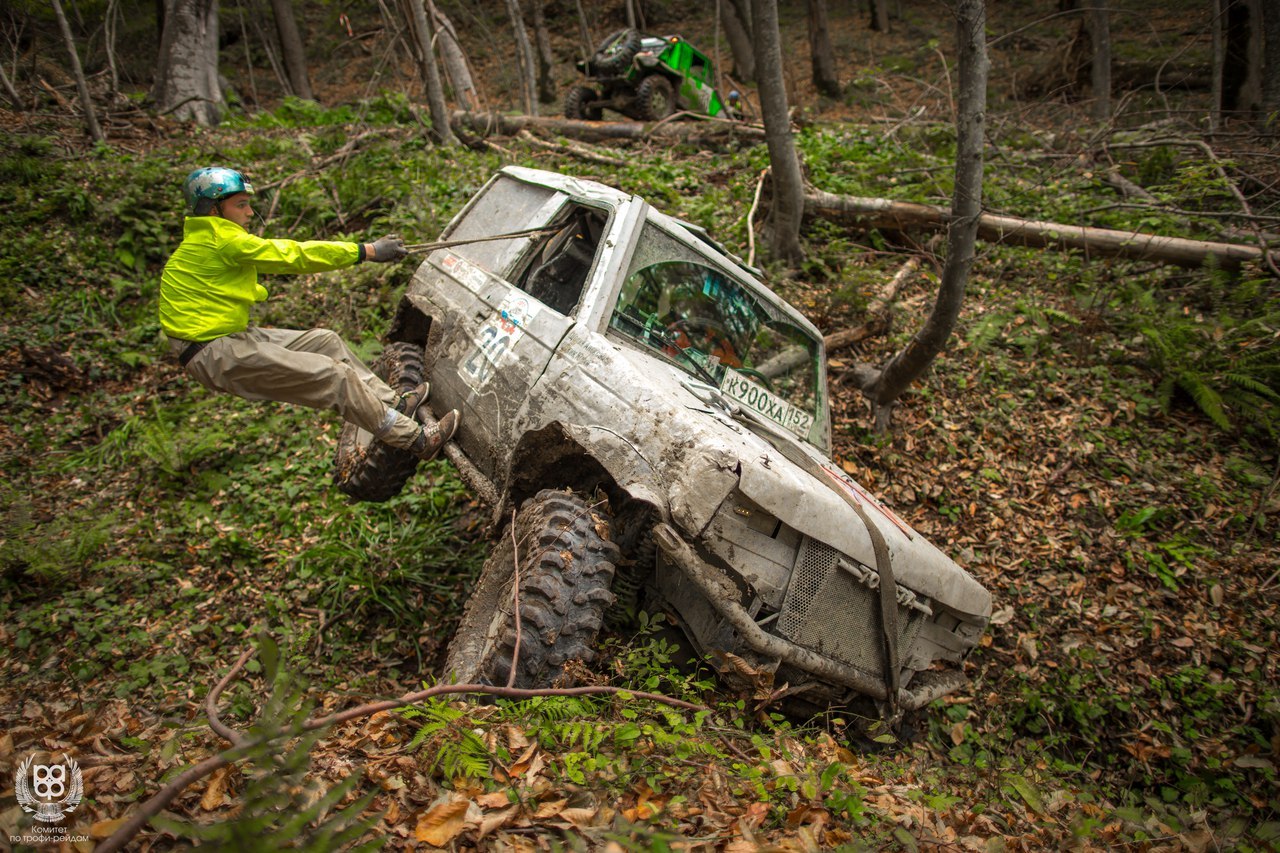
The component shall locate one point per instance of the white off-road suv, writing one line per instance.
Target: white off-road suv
(650, 425)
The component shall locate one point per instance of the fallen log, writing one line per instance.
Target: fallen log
(1135, 245)
(503, 124)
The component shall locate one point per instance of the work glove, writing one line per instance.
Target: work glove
(386, 249)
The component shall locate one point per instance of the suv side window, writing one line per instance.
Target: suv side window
(508, 205)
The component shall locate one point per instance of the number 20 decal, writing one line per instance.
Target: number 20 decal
(493, 344)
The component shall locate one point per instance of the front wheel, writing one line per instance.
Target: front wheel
(655, 99)
(567, 561)
(577, 101)
(365, 468)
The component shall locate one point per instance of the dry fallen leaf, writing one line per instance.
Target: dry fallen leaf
(104, 828)
(215, 794)
(443, 823)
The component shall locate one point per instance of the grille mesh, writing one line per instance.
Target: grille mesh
(832, 613)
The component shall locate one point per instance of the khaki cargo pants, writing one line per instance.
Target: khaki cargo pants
(314, 368)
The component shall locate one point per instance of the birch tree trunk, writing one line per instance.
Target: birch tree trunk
(186, 82)
(1100, 68)
(421, 29)
(456, 67)
(822, 58)
(524, 53)
(966, 205)
(86, 103)
(295, 58)
(787, 209)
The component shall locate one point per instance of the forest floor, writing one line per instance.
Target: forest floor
(1083, 448)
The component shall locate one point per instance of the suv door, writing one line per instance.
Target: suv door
(514, 299)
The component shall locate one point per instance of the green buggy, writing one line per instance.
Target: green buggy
(645, 78)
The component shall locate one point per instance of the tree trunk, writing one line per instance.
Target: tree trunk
(787, 209)
(1217, 10)
(966, 205)
(546, 83)
(421, 29)
(702, 133)
(584, 33)
(1271, 68)
(1243, 59)
(110, 23)
(880, 15)
(1100, 242)
(821, 56)
(456, 67)
(82, 86)
(186, 81)
(1100, 70)
(737, 22)
(295, 57)
(524, 57)
(10, 90)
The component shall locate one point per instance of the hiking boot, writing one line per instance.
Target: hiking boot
(413, 398)
(434, 434)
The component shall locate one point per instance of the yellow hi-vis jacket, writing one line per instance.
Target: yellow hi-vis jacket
(211, 279)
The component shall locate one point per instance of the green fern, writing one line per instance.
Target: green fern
(449, 734)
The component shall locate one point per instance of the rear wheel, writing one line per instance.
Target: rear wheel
(562, 544)
(655, 99)
(365, 468)
(576, 102)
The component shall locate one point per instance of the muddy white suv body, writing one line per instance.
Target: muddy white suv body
(679, 410)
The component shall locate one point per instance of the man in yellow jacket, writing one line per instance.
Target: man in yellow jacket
(211, 282)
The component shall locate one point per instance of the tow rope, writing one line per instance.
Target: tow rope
(447, 244)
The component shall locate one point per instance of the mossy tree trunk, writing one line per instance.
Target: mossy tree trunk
(886, 385)
(787, 208)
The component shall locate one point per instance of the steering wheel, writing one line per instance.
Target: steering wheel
(707, 336)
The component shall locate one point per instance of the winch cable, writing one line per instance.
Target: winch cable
(447, 244)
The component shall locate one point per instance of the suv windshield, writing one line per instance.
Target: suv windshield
(718, 330)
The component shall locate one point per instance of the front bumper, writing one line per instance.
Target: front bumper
(723, 596)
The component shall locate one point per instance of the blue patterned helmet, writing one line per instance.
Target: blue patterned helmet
(213, 183)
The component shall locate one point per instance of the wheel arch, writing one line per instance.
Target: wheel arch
(563, 455)
(410, 324)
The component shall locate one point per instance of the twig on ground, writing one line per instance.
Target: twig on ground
(211, 702)
(572, 150)
(158, 801)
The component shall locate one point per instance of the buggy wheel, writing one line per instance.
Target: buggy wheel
(655, 99)
(566, 567)
(615, 53)
(365, 468)
(576, 101)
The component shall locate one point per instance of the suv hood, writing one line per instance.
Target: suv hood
(786, 477)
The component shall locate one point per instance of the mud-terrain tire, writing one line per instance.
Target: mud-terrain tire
(655, 99)
(615, 53)
(575, 104)
(566, 567)
(363, 467)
